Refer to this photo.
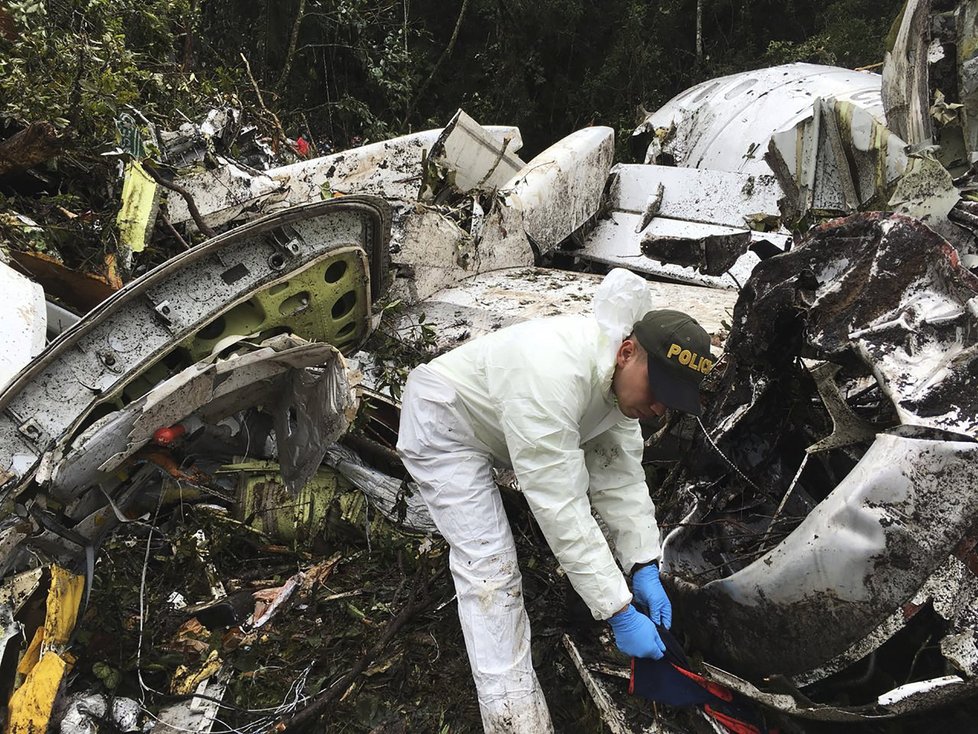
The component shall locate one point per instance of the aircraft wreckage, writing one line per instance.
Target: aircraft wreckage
(819, 222)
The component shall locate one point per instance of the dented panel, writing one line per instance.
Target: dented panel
(872, 545)
(863, 551)
(389, 168)
(209, 390)
(132, 330)
(620, 240)
(905, 75)
(561, 189)
(835, 161)
(467, 158)
(726, 123)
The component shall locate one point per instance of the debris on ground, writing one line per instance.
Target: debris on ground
(206, 526)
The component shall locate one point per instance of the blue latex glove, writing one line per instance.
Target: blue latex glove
(648, 593)
(636, 635)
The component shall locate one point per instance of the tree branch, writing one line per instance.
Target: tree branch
(309, 716)
(292, 42)
(191, 205)
(441, 59)
(261, 101)
(36, 143)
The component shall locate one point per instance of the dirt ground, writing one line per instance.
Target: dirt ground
(418, 682)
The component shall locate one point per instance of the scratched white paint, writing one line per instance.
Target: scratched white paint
(23, 318)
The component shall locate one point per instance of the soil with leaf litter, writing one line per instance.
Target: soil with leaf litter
(418, 681)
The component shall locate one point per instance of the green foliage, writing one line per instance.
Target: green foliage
(852, 33)
(344, 72)
(399, 350)
(80, 64)
(349, 70)
(84, 61)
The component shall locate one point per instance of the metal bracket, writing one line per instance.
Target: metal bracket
(287, 244)
(32, 431)
(163, 313)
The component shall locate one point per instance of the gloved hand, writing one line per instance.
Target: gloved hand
(636, 635)
(648, 592)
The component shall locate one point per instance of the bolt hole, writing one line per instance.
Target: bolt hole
(295, 303)
(276, 261)
(213, 330)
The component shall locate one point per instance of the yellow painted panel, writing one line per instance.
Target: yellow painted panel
(64, 598)
(32, 654)
(186, 680)
(30, 706)
(138, 212)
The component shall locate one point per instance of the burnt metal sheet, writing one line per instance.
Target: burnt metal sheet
(880, 539)
(114, 344)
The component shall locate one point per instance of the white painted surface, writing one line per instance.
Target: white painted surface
(476, 158)
(23, 319)
(914, 689)
(560, 189)
(837, 547)
(615, 241)
(500, 298)
(726, 123)
(696, 195)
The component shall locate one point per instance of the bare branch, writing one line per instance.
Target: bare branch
(441, 59)
(191, 205)
(290, 55)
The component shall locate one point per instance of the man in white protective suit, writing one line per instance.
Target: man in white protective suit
(559, 400)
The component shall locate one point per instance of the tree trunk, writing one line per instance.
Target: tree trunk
(36, 143)
(699, 30)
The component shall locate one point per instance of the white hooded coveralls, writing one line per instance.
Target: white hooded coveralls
(535, 396)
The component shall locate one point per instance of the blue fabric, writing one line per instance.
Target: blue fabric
(659, 680)
(664, 682)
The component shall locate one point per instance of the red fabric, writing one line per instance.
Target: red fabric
(716, 689)
(734, 725)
